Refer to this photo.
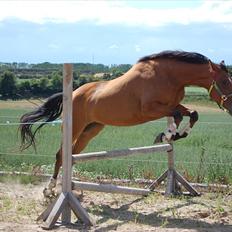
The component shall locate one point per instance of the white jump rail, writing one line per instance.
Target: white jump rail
(123, 152)
(109, 188)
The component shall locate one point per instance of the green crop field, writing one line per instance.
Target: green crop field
(205, 156)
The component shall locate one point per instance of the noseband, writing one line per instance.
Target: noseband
(223, 97)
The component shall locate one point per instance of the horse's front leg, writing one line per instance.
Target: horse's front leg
(171, 131)
(173, 122)
(186, 129)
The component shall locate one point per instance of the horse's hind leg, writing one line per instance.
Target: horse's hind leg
(80, 143)
(88, 133)
(78, 127)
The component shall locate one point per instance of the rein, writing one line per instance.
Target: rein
(222, 96)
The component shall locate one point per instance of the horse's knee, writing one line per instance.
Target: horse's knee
(194, 117)
(178, 117)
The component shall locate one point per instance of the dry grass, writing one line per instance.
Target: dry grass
(19, 104)
(21, 204)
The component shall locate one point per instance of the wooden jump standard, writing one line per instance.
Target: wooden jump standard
(173, 177)
(67, 201)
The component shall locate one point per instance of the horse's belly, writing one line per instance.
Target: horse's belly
(120, 114)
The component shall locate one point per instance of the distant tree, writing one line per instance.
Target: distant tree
(117, 73)
(56, 82)
(35, 87)
(107, 76)
(43, 83)
(8, 85)
(24, 89)
(83, 79)
(122, 68)
(230, 70)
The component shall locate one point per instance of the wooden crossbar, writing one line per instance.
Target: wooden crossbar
(117, 153)
(109, 188)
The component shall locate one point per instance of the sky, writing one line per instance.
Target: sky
(113, 32)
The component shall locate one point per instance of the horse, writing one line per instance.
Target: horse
(152, 89)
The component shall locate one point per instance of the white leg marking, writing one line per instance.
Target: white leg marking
(185, 129)
(52, 183)
(48, 191)
(171, 129)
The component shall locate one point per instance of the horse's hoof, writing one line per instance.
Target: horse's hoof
(178, 136)
(52, 183)
(58, 189)
(47, 192)
(159, 138)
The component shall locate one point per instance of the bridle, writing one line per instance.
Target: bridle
(223, 97)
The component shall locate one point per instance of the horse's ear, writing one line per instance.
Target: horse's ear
(223, 66)
(222, 63)
(213, 67)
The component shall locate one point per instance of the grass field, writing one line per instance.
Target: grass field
(205, 156)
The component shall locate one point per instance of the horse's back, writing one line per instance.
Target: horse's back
(120, 101)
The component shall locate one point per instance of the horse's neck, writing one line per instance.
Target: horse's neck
(197, 75)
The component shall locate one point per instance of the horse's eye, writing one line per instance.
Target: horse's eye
(224, 82)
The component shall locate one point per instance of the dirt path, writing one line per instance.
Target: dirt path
(21, 204)
(20, 104)
(202, 108)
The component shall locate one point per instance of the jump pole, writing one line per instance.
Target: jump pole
(110, 188)
(66, 200)
(172, 176)
(117, 153)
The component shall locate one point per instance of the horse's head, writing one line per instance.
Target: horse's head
(221, 86)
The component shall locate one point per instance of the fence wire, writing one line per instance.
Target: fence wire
(57, 122)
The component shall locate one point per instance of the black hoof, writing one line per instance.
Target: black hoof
(159, 138)
(178, 136)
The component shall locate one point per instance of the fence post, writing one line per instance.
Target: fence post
(67, 137)
(66, 201)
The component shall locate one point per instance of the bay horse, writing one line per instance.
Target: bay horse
(153, 88)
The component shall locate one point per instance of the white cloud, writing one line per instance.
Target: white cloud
(137, 48)
(210, 50)
(114, 12)
(114, 46)
(53, 46)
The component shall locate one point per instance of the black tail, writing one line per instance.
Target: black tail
(47, 112)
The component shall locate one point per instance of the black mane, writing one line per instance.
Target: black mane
(188, 57)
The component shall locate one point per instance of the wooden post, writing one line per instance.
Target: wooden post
(173, 178)
(67, 138)
(66, 200)
(170, 189)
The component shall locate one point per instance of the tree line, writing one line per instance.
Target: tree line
(42, 80)
(21, 80)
